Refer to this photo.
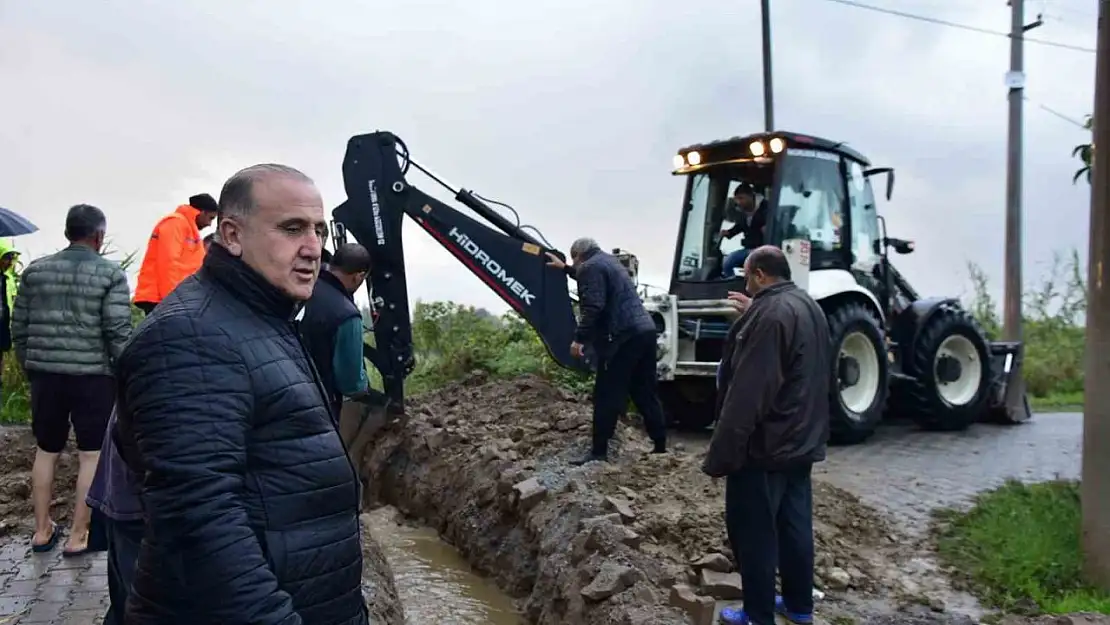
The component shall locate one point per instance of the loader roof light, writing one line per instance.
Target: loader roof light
(757, 148)
(777, 145)
(694, 158)
(679, 161)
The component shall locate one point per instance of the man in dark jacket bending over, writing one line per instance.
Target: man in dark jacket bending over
(332, 330)
(612, 319)
(251, 503)
(773, 424)
(332, 325)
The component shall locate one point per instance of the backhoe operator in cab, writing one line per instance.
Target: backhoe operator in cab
(175, 251)
(749, 220)
(613, 321)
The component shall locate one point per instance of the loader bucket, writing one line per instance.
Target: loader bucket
(1008, 402)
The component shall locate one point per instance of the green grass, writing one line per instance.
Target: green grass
(1018, 549)
(15, 400)
(1058, 402)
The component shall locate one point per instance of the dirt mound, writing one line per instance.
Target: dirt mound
(18, 457)
(487, 465)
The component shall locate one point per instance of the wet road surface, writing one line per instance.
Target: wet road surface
(909, 473)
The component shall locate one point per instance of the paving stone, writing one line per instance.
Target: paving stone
(43, 612)
(87, 601)
(60, 594)
(13, 605)
(31, 568)
(98, 583)
(910, 473)
(81, 617)
(21, 588)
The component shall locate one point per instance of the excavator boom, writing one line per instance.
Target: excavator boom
(510, 261)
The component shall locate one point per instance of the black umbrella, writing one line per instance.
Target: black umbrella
(13, 224)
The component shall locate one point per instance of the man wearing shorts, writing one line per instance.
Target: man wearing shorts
(70, 321)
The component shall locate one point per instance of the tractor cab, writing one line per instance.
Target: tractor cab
(770, 189)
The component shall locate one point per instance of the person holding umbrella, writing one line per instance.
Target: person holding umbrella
(9, 283)
(11, 225)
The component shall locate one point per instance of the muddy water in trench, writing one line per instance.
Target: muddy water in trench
(434, 582)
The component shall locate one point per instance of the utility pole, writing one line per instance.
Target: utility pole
(1096, 410)
(768, 89)
(1015, 80)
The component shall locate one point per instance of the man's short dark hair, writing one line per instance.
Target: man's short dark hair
(771, 261)
(204, 203)
(208, 238)
(743, 189)
(237, 195)
(84, 221)
(351, 258)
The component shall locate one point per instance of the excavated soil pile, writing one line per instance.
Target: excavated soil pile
(18, 446)
(637, 540)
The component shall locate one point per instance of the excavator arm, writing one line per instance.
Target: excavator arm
(510, 261)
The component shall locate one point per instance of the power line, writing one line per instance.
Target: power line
(950, 24)
(1064, 116)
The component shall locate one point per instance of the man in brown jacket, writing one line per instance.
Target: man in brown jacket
(773, 424)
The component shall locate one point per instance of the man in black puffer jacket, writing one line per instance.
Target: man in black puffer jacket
(249, 497)
(612, 319)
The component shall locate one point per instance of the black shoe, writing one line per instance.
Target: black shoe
(660, 447)
(590, 457)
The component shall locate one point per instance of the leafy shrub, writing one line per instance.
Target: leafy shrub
(1053, 326)
(452, 340)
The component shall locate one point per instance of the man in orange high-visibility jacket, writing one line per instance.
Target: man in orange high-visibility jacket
(175, 250)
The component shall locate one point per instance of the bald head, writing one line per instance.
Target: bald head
(238, 198)
(766, 265)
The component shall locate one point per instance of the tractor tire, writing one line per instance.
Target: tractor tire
(689, 404)
(950, 367)
(859, 370)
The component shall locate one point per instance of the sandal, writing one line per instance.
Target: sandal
(73, 553)
(55, 534)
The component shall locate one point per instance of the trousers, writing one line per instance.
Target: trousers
(769, 520)
(124, 540)
(628, 373)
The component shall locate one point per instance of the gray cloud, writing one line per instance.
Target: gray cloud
(570, 111)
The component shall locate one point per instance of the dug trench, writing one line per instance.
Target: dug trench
(638, 540)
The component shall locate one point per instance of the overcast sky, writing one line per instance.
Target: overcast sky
(569, 110)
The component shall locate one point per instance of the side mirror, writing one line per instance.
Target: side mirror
(900, 246)
(889, 171)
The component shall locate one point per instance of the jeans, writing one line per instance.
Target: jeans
(124, 540)
(769, 518)
(735, 260)
(629, 372)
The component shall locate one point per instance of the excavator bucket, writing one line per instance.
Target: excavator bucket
(1008, 401)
